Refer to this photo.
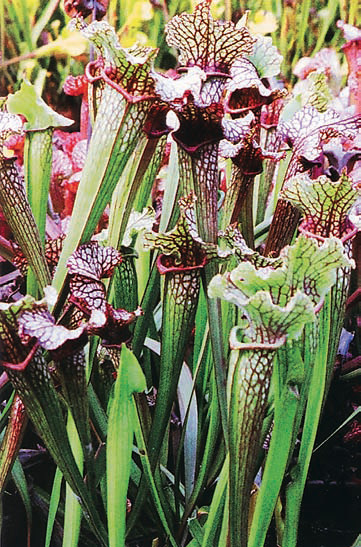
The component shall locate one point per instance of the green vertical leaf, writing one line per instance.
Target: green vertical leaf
(53, 505)
(130, 379)
(73, 512)
(19, 479)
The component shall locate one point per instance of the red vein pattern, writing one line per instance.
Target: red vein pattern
(206, 43)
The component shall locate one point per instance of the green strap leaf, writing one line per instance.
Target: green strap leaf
(53, 505)
(73, 513)
(19, 479)
(121, 426)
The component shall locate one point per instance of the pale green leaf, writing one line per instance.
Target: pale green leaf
(306, 267)
(270, 323)
(39, 115)
(324, 203)
(265, 57)
(138, 222)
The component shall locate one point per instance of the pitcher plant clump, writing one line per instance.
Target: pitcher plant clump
(177, 271)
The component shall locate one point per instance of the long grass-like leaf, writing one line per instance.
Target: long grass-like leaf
(188, 411)
(207, 456)
(214, 520)
(328, 17)
(130, 379)
(43, 20)
(7, 409)
(218, 351)
(302, 27)
(53, 506)
(19, 479)
(150, 297)
(150, 478)
(277, 458)
(353, 415)
(73, 512)
(295, 488)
